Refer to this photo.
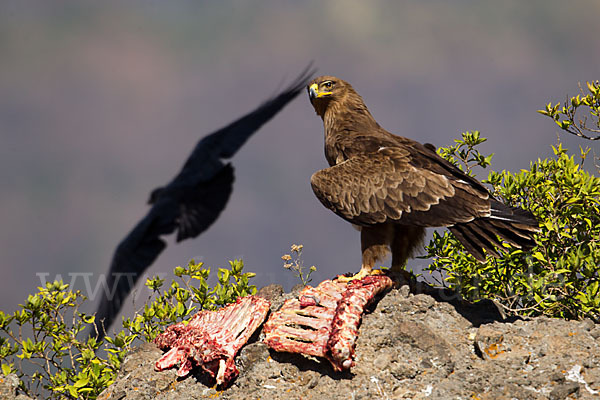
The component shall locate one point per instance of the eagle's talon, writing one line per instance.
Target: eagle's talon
(359, 275)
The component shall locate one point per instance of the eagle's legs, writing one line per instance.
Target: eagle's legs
(406, 240)
(374, 243)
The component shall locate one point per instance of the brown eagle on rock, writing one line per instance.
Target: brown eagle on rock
(393, 187)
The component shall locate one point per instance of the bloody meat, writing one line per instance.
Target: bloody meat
(324, 321)
(211, 339)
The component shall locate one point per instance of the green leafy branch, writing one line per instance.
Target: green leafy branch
(464, 153)
(178, 301)
(64, 365)
(566, 116)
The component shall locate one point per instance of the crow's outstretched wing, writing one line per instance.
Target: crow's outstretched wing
(205, 160)
(189, 204)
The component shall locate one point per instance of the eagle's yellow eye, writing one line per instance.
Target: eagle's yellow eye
(328, 84)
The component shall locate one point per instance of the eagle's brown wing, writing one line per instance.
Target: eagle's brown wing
(390, 185)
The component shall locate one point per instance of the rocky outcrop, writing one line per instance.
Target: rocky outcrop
(410, 346)
(9, 388)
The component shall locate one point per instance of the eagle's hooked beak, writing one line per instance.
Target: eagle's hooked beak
(313, 92)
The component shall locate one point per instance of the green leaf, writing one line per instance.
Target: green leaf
(73, 391)
(81, 382)
(6, 369)
(539, 256)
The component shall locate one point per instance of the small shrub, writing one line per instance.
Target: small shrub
(179, 301)
(559, 276)
(64, 366)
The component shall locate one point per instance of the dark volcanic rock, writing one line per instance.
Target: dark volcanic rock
(410, 347)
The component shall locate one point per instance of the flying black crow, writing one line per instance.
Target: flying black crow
(188, 204)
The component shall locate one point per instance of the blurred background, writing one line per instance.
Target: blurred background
(101, 102)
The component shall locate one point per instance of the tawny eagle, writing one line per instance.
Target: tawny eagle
(393, 187)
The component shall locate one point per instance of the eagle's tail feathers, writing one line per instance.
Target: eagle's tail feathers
(511, 231)
(487, 241)
(512, 225)
(468, 242)
(517, 217)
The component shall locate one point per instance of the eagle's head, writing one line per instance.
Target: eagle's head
(328, 91)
